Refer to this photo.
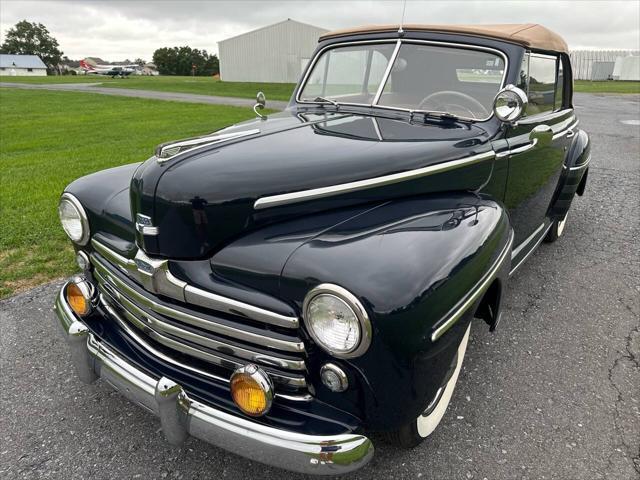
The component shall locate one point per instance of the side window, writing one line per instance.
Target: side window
(559, 87)
(542, 83)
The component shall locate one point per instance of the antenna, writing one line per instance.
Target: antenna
(404, 6)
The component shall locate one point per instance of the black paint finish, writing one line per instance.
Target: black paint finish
(409, 251)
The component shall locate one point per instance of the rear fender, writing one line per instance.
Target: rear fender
(414, 264)
(574, 175)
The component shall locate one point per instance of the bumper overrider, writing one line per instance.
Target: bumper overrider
(181, 416)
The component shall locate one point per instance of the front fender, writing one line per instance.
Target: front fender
(410, 262)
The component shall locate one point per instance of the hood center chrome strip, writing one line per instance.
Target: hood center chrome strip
(315, 193)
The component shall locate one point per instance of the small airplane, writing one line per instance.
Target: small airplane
(112, 71)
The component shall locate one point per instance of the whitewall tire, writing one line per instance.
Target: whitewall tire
(415, 432)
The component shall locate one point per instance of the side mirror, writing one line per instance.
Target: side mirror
(510, 103)
(261, 101)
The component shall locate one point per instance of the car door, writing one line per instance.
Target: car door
(537, 146)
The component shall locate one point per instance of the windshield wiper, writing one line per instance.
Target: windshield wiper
(326, 100)
(438, 115)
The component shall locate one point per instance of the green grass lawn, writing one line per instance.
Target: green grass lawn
(48, 139)
(198, 85)
(606, 86)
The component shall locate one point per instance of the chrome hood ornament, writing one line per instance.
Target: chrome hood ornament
(168, 151)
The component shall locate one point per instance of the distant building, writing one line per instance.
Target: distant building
(22, 66)
(275, 53)
(605, 64)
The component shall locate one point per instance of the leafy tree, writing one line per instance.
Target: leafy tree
(185, 61)
(139, 61)
(27, 38)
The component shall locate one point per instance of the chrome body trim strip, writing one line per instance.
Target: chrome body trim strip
(155, 276)
(566, 130)
(245, 335)
(181, 416)
(584, 164)
(533, 249)
(478, 290)
(387, 72)
(382, 84)
(315, 193)
(516, 251)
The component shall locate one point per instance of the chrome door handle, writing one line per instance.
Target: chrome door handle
(570, 133)
(525, 148)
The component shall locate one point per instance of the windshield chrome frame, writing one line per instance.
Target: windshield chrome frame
(383, 82)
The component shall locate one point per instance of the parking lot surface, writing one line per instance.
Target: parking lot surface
(552, 394)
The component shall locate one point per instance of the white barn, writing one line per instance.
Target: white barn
(22, 66)
(276, 53)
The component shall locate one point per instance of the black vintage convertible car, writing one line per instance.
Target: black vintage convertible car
(286, 286)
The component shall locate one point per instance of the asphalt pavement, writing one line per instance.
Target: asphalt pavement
(138, 93)
(553, 394)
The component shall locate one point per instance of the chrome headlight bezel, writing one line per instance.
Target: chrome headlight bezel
(82, 218)
(343, 295)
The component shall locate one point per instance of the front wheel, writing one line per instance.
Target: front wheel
(416, 431)
(556, 230)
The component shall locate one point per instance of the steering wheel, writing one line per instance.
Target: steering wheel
(440, 102)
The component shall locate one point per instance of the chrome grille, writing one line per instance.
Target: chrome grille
(223, 340)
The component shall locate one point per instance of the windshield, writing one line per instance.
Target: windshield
(453, 80)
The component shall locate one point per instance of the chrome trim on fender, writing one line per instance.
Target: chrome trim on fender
(581, 166)
(315, 193)
(155, 276)
(478, 290)
(181, 416)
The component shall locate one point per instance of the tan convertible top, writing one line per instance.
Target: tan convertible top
(530, 35)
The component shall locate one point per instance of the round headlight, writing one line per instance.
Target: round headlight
(74, 219)
(509, 104)
(337, 321)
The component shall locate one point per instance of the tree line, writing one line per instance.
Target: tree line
(31, 38)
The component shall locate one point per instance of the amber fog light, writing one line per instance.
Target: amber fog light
(251, 390)
(79, 293)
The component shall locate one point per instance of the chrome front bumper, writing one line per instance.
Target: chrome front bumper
(181, 416)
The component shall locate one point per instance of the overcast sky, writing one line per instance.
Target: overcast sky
(115, 30)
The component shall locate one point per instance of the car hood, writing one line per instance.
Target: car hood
(203, 198)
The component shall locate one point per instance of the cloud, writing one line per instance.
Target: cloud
(115, 30)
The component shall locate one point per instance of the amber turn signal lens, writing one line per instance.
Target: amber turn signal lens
(79, 302)
(251, 390)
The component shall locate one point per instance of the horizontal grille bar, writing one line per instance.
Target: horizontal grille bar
(151, 323)
(262, 338)
(293, 381)
(162, 281)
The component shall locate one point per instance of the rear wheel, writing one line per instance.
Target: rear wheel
(413, 433)
(556, 230)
